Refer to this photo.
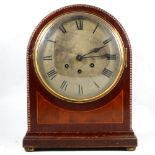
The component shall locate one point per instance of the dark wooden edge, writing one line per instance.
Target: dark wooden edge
(57, 140)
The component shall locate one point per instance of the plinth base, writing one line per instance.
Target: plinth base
(35, 141)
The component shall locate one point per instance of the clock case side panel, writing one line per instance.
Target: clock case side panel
(37, 135)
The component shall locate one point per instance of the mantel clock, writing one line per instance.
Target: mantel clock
(79, 82)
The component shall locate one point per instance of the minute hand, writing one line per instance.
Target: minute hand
(95, 50)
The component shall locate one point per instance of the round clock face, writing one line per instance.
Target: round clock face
(79, 57)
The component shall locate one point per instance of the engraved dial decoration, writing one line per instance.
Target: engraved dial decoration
(79, 57)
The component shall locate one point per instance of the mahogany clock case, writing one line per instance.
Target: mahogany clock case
(55, 123)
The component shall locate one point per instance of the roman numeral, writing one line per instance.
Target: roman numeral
(64, 85)
(47, 57)
(52, 41)
(108, 73)
(62, 29)
(96, 27)
(79, 24)
(52, 74)
(80, 89)
(107, 41)
(96, 85)
(111, 56)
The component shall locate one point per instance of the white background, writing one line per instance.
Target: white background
(18, 19)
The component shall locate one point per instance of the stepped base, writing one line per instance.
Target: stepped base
(35, 141)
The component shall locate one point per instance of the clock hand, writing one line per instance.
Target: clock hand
(96, 56)
(106, 55)
(95, 50)
(80, 57)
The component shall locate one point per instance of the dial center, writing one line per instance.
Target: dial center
(79, 57)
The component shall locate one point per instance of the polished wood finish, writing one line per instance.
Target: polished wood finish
(48, 113)
(54, 123)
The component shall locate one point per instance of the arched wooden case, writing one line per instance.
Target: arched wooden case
(54, 123)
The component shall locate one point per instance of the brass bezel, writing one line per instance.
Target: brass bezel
(73, 100)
